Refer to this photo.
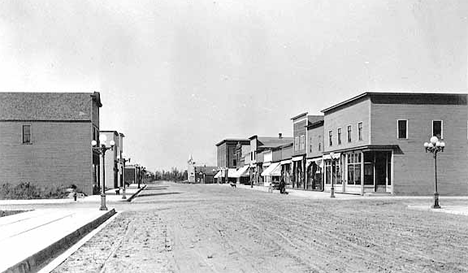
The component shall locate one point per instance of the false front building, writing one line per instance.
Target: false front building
(374, 142)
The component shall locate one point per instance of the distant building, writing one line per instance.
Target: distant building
(299, 164)
(45, 139)
(133, 174)
(205, 174)
(228, 159)
(259, 146)
(314, 153)
(113, 160)
(191, 170)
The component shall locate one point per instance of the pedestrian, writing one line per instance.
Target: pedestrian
(282, 186)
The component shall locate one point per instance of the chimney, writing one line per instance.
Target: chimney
(280, 135)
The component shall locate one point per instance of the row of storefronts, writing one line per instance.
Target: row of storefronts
(372, 143)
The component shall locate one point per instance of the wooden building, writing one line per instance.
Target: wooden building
(45, 139)
(377, 140)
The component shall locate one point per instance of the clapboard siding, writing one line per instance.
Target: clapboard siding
(60, 154)
(352, 115)
(413, 168)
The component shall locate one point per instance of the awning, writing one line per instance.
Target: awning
(231, 173)
(242, 172)
(337, 155)
(297, 158)
(270, 169)
(218, 175)
(317, 161)
(286, 161)
(276, 171)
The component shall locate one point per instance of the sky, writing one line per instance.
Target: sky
(178, 76)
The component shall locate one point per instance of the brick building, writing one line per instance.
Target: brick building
(45, 139)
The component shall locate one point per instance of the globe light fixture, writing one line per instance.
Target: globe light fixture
(102, 150)
(434, 146)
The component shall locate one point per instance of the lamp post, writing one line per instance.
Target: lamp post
(102, 150)
(332, 190)
(123, 161)
(435, 146)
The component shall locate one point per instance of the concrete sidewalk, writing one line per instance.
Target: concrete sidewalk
(449, 208)
(111, 197)
(30, 239)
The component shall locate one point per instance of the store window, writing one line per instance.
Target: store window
(354, 168)
(333, 171)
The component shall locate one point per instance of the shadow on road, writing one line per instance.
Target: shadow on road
(157, 194)
(155, 187)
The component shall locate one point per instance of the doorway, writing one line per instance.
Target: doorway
(381, 171)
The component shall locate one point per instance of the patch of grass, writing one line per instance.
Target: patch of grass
(4, 213)
(26, 190)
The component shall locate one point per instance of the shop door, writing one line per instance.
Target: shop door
(380, 172)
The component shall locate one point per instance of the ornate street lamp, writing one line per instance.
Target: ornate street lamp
(102, 150)
(123, 160)
(332, 190)
(435, 146)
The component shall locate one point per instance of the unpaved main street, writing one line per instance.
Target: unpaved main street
(215, 228)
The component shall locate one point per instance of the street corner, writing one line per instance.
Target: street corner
(457, 210)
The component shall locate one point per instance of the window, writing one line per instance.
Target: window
(234, 163)
(296, 144)
(437, 128)
(333, 171)
(359, 129)
(330, 136)
(339, 136)
(349, 133)
(310, 144)
(27, 134)
(354, 168)
(320, 143)
(302, 142)
(402, 128)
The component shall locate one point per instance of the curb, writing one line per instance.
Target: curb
(136, 193)
(34, 262)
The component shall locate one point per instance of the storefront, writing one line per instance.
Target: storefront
(314, 174)
(242, 175)
(286, 172)
(272, 173)
(298, 172)
(333, 172)
(363, 171)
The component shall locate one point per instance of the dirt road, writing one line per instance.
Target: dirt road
(213, 228)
